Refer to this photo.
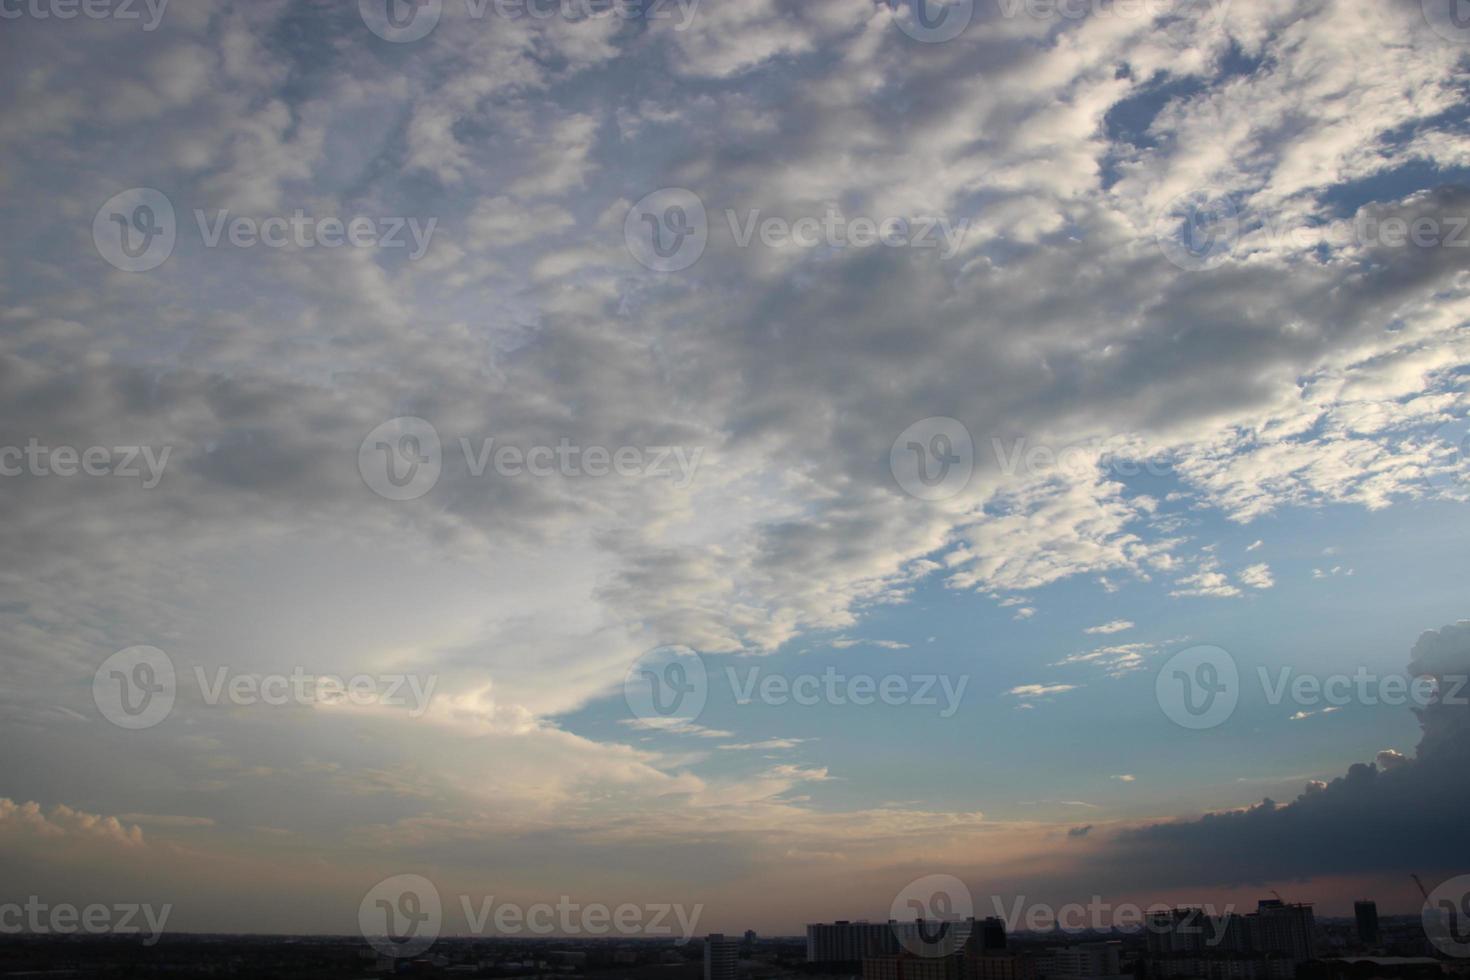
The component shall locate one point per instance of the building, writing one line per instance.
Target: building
(721, 957)
(1177, 932)
(1367, 915)
(1290, 930)
(1273, 929)
(907, 966)
(987, 935)
(998, 966)
(1270, 943)
(1378, 968)
(1223, 966)
(850, 942)
(1085, 961)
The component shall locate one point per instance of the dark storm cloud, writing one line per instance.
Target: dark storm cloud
(1393, 814)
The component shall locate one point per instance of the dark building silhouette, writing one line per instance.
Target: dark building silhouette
(1367, 915)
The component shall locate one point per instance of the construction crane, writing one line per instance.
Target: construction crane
(1422, 890)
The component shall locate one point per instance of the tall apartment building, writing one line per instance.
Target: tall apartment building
(1290, 930)
(846, 942)
(1085, 961)
(1367, 915)
(907, 966)
(1275, 929)
(1000, 965)
(721, 957)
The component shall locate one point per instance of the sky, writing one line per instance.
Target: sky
(751, 454)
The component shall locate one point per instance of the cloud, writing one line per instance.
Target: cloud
(1029, 691)
(1308, 714)
(1116, 626)
(1394, 813)
(1257, 576)
(1115, 660)
(846, 642)
(769, 744)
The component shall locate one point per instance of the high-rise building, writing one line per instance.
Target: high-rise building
(1288, 930)
(907, 966)
(1274, 928)
(846, 942)
(721, 956)
(1000, 965)
(849, 942)
(987, 935)
(1367, 915)
(1085, 961)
